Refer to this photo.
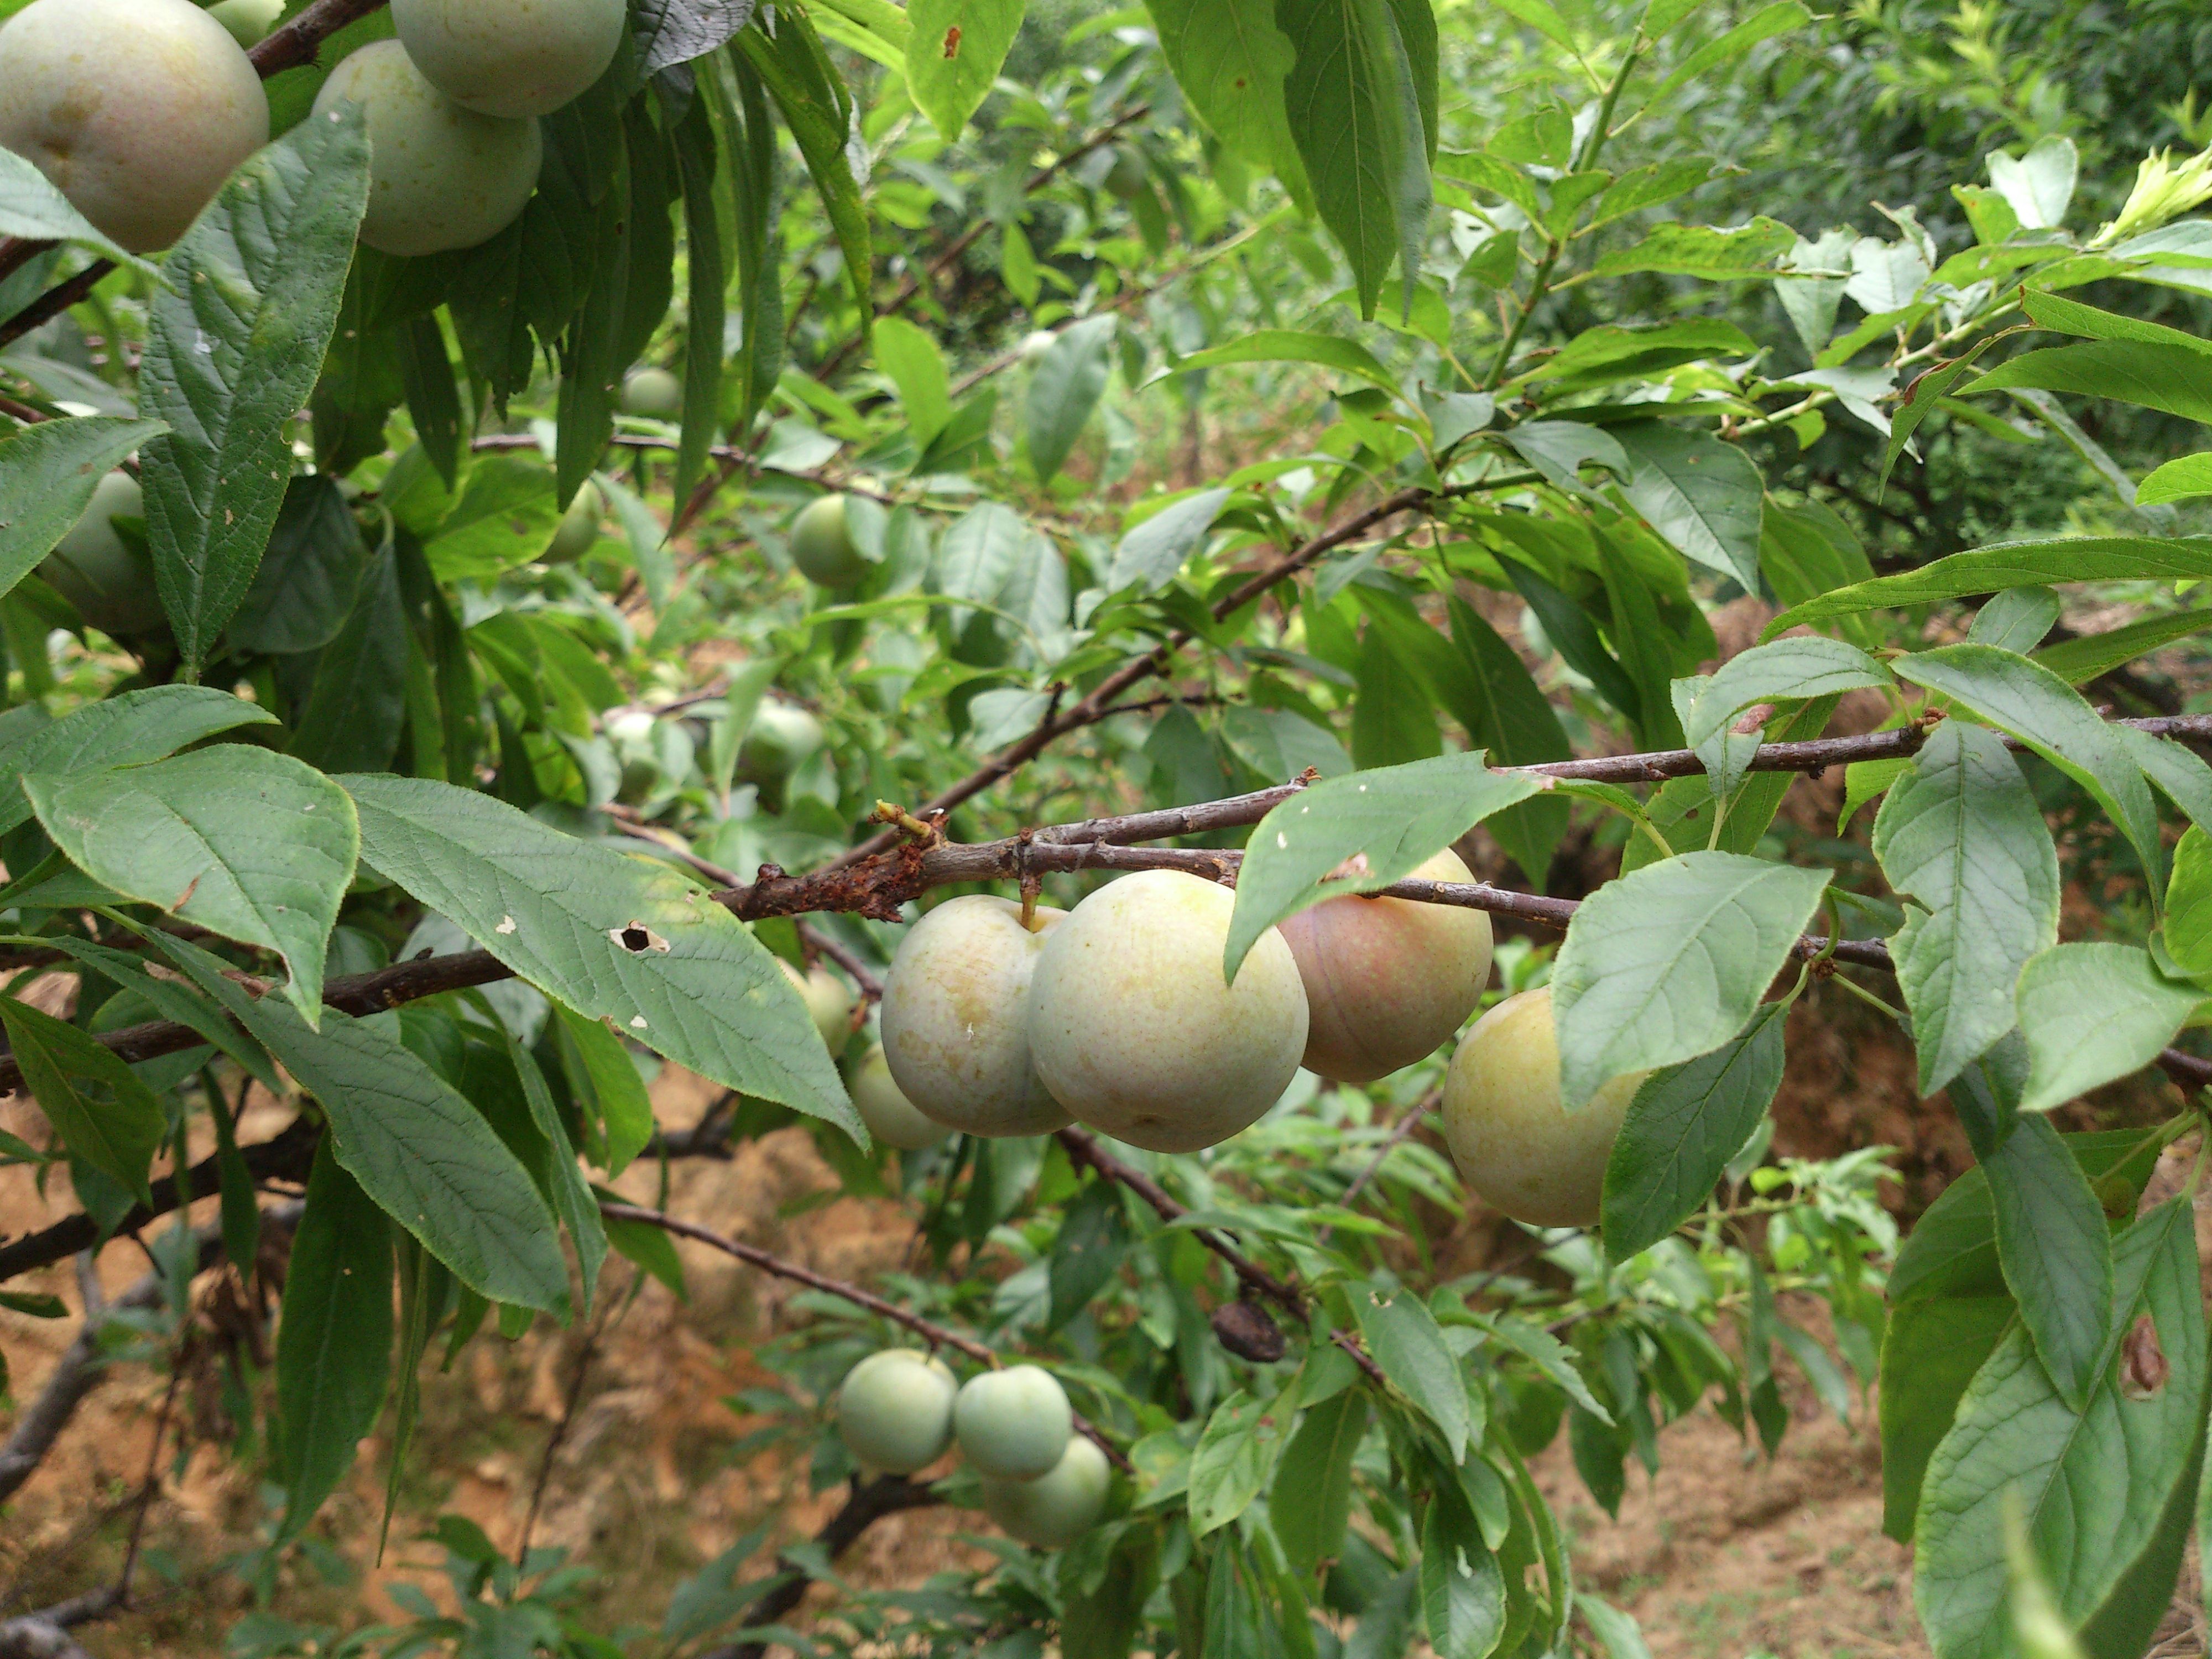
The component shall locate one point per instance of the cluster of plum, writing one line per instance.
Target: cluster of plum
(138, 110)
(1116, 1015)
(899, 1411)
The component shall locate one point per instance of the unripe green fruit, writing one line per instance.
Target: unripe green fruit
(652, 392)
(109, 581)
(828, 1004)
(248, 20)
(1054, 1509)
(439, 177)
(1387, 980)
(137, 110)
(1013, 1425)
(1133, 1030)
(1126, 178)
(822, 545)
(511, 57)
(781, 739)
(579, 526)
(1036, 344)
(885, 1109)
(895, 1411)
(1515, 1144)
(956, 1017)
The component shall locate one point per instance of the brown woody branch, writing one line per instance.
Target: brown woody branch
(290, 47)
(929, 1330)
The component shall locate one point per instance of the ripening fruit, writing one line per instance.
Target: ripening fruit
(822, 545)
(1133, 1030)
(890, 1116)
(1054, 1509)
(653, 392)
(109, 581)
(511, 57)
(248, 20)
(137, 110)
(1036, 344)
(828, 1004)
(580, 527)
(956, 1017)
(439, 177)
(1126, 178)
(1515, 1143)
(1013, 1425)
(895, 1411)
(781, 739)
(1387, 980)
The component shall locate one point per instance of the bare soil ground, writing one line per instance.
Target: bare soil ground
(1721, 1557)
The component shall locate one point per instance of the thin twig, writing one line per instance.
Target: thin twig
(936, 1334)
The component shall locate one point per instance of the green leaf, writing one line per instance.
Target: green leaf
(916, 367)
(32, 209)
(2181, 774)
(356, 706)
(1923, 396)
(254, 846)
(118, 1136)
(1684, 1124)
(668, 32)
(1703, 495)
(1283, 345)
(1780, 18)
(1614, 351)
(1784, 669)
(124, 730)
(2033, 704)
(1354, 99)
(2189, 903)
(2092, 1485)
(231, 356)
(2056, 1253)
(1743, 253)
(1235, 1458)
(610, 1082)
(1230, 61)
(1393, 720)
(2178, 480)
(2017, 619)
(1094, 1238)
(428, 1158)
(1462, 1590)
(2014, 564)
(1312, 1505)
(1618, 1632)
(2175, 379)
(1931, 1348)
(506, 515)
(1392, 821)
(1669, 961)
(954, 55)
(573, 1200)
(1403, 1336)
(1506, 714)
(818, 113)
(1154, 553)
(333, 1338)
(611, 937)
(48, 472)
(305, 588)
(2094, 1013)
(1963, 834)
(1064, 390)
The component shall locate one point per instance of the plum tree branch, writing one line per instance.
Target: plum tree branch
(768, 1262)
(877, 884)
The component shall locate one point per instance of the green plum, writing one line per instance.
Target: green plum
(822, 545)
(891, 1117)
(895, 1411)
(579, 526)
(511, 57)
(1058, 1506)
(1013, 1425)
(653, 392)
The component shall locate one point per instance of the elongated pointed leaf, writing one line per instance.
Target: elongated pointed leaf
(1064, 390)
(1700, 494)
(120, 730)
(118, 1136)
(1669, 961)
(2094, 1013)
(254, 846)
(1313, 1484)
(1403, 1336)
(2056, 1253)
(1394, 819)
(2014, 564)
(47, 475)
(954, 54)
(612, 937)
(231, 356)
(1962, 833)
(1784, 669)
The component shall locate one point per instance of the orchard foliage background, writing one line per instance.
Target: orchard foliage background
(1421, 384)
